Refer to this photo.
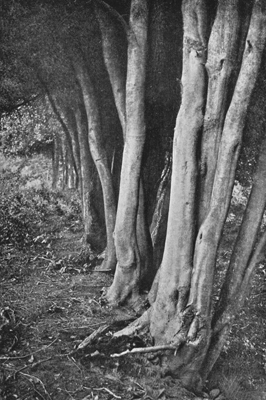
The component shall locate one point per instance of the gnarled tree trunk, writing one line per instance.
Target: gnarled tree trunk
(181, 302)
(113, 30)
(128, 271)
(99, 155)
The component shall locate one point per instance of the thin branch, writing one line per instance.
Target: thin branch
(94, 334)
(108, 391)
(34, 379)
(30, 354)
(36, 364)
(70, 358)
(115, 14)
(144, 350)
(37, 391)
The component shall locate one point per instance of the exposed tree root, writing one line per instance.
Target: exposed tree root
(136, 326)
(143, 350)
(103, 267)
(124, 290)
(109, 262)
(94, 334)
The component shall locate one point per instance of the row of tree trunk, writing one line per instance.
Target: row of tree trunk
(171, 241)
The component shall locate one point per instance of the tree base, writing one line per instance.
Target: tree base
(140, 324)
(106, 266)
(176, 360)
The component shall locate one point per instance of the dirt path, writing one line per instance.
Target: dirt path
(51, 301)
(46, 312)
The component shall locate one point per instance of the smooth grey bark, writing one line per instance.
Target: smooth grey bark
(98, 152)
(128, 270)
(94, 234)
(222, 56)
(113, 57)
(247, 253)
(58, 112)
(69, 117)
(112, 27)
(181, 305)
(177, 263)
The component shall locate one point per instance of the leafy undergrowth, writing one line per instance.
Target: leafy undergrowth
(51, 302)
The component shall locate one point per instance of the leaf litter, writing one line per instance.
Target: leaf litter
(56, 334)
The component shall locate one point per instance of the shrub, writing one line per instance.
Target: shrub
(20, 217)
(22, 212)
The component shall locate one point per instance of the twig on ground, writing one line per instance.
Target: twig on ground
(108, 391)
(38, 393)
(33, 365)
(101, 270)
(34, 379)
(30, 354)
(143, 350)
(87, 397)
(74, 362)
(15, 341)
(96, 302)
(141, 388)
(85, 326)
(46, 259)
(90, 338)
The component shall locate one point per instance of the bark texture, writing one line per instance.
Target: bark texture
(209, 235)
(94, 234)
(100, 158)
(181, 298)
(222, 56)
(128, 271)
(159, 220)
(176, 268)
(55, 161)
(69, 116)
(248, 252)
(211, 230)
(110, 27)
(114, 32)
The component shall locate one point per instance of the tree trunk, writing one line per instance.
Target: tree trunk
(99, 155)
(63, 163)
(58, 112)
(128, 271)
(245, 257)
(69, 117)
(55, 162)
(94, 234)
(111, 32)
(181, 302)
(176, 268)
(160, 215)
(222, 56)
(211, 230)
(195, 312)
(144, 243)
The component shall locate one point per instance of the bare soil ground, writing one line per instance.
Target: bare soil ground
(51, 301)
